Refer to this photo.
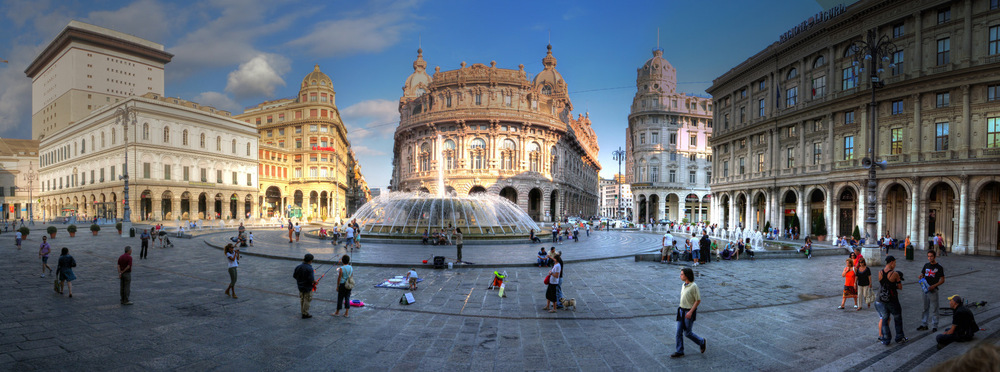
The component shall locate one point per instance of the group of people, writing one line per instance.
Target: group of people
(306, 282)
(571, 232)
(64, 276)
(441, 237)
(701, 250)
(350, 232)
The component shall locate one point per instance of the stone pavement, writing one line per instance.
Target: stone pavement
(756, 315)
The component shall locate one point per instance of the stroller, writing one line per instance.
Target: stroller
(497, 280)
(165, 239)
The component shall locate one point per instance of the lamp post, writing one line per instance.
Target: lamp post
(125, 115)
(30, 176)
(873, 53)
(619, 155)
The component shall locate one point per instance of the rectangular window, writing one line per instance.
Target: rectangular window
(994, 46)
(896, 141)
(673, 156)
(725, 121)
(673, 175)
(944, 15)
(694, 141)
(849, 148)
(113, 173)
(760, 108)
(692, 176)
(655, 138)
(943, 99)
(790, 157)
(897, 107)
(761, 84)
(898, 31)
(760, 163)
(848, 79)
(218, 176)
(743, 114)
(166, 172)
(102, 174)
(479, 99)
(743, 143)
(91, 176)
(790, 96)
(298, 172)
(817, 153)
(897, 59)
(994, 4)
(235, 182)
(249, 179)
(145, 170)
(725, 168)
(941, 137)
(993, 91)
(204, 175)
(819, 86)
(943, 51)
(849, 117)
(673, 138)
(993, 132)
(743, 167)
(298, 129)
(447, 101)
(187, 173)
(743, 93)
(693, 157)
(642, 138)
(313, 128)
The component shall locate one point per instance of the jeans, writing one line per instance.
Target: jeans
(559, 295)
(343, 297)
(126, 286)
(696, 254)
(895, 313)
(144, 248)
(943, 339)
(684, 330)
(931, 299)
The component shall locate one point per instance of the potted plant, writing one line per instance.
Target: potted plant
(819, 227)
(24, 232)
(767, 227)
(857, 233)
(52, 231)
(118, 226)
(794, 225)
(95, 228)
(71, 229)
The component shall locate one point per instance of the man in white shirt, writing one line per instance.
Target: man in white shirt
(667, 244)
(350, 236)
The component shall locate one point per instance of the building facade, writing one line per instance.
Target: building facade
(307, 169)
(793, 124)
(611, 206)
(489, 129)
(19, 183)
(668, 159)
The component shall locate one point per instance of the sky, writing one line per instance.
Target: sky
(232, 54)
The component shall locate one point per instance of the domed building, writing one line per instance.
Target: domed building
(668, 159)
(494, 130)
(307, 169)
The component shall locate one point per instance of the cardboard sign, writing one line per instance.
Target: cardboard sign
(407, 298)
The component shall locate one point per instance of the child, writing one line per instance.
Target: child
(411, 277)
(250, 238)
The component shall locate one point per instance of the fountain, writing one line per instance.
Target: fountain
(407, 215)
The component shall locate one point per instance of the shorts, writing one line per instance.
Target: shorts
(297, 234)
(413, 282)
(45, 259)
(18, 242)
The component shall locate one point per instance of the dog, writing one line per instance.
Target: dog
(569, 302)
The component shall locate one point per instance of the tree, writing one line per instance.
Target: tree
(819, 224)
(767, 226)
(857, 233)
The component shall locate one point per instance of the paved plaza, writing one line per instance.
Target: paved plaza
(768, 314)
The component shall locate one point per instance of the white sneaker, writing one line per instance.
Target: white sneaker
(43, 275)
(695, 264)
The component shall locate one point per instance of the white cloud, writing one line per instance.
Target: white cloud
(220, 101)
(143, 18)
(373, 31)
(380, 117)
(258, 77)
(15, 92)
(366, 151)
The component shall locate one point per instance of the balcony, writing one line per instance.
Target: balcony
(939, 155)
(991, 152)
(991, 59)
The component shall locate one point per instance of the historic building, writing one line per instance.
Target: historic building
(489, 129)
(185, 161)
(18, 178)
(615, 204)
(307, 169)
(668, 159)
(793, 124)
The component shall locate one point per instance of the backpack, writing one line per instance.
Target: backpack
(349, 283)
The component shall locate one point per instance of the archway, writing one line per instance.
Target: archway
(724, 205)
(202, 206)
(476, 189)
(424, 190)
(323, 207)
(941, 212)
(166, 205)
(789, 205)
(509, 193)
(760, 211)
(670, 208)
(449, 190)
(186, 205)
(247, 205)
(553, 198)
(272, 200)
(741, 207)
(234, 202)
(654, 208)
(535, 204)
(987, 231)
(897, 212)
(690, 205)
(847, 204)
(313, 203)
(218, 206)
(296, 209)
(817, 216)
(145, 205)
(640, 204)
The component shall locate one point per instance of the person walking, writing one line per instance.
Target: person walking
(350, 237)
(291, 229)
(125, 275)
(941, 247)
(43, 253)
(345, 283)
(864, 283)
(933, 274)
(850, 289)
(890, 282)
(144, 248)
(458, 242)
(687, 313)
(305, 280)
(65, 268)
(562, 278)
(250, 238)
(963, 325)
(233, 257)
(551, 292)
(298, 231)
(17, 239)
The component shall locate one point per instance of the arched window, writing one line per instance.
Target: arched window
(554, 160)
(102, 140)
(534, 155)
(114, 137)
(248, 148)
(508, 154)
(218, 143)
(145, 131)
(166, 134)
(820, 61)
(203, 140)
(449, 154)
(546, 89)
(477, 152)
(83, 146)
(184, 137)
(234, 145)
(792, 73)
(425, 157)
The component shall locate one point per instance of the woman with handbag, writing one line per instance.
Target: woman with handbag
(552, 280)
(345, 283)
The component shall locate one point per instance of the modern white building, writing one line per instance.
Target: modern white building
(18, 178)
(610, 206)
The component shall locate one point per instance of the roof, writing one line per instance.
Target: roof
(98, 36)
(21, 147)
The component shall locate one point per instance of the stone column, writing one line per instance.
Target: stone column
(918, 45)
(963, 217)
(914, 214)
(917, 137)
(680, 209)
(922, 218)
(880, 226)
(157, 210)
(805, 217)
(965, 143)
(800, 210)
(828, 211)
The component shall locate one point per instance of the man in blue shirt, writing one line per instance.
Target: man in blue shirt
(305, 280)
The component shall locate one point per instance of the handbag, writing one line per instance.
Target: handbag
(349, 283)
(547, 279)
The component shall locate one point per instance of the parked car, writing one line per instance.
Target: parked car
(664, 221)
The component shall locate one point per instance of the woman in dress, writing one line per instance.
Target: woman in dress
(65, 269)
(344, 294)
(551, 292)
(850, 291)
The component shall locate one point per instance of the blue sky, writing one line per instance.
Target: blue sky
(236, 53)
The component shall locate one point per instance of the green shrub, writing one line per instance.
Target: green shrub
(24, 232)
(51, 230)
(95, 227)
(71, 229)
(118, 226)
(819, 225)
(857, 233)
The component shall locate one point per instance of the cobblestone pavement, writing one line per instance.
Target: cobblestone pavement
(756, 315)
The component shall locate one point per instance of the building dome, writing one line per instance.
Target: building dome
(317, 78)
(416, 85)
(656, 75)
(549, 76)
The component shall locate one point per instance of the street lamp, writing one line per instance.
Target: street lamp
(125, 115)
(30, 176)
(876, 52)
(619, 155)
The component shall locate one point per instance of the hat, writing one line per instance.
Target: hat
(955, 298)
(889, 259)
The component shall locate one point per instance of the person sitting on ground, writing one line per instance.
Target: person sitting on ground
(435, 238)
(442, 238)
(807, 248)
(963, 326)
(322, 233)
(411, 278)
(543, 257)
(748, 249)
(533, 238)
(727, 253)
